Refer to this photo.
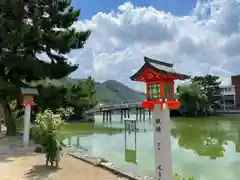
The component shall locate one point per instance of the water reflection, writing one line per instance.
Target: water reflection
(130, 138)
(205, 149)
(237, 143)
(205, 139)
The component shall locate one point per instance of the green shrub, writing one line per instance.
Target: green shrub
(178, 177)
(49, 124)
(39, 136)
(36, 134)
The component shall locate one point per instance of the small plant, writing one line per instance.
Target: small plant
(37, 134)
(178, 177)
(49, 124)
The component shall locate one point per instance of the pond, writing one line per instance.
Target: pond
(207, 148)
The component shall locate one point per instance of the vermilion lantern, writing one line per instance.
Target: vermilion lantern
(28, 100)
(28, 96)
(159, 78)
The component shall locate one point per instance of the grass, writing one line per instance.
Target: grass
(76, 128)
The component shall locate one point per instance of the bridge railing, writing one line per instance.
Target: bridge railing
(112, 106)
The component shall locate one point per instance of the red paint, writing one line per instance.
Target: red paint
(30, 101)
(25, 103)
(149, 76)
(172, 88)
(162, 83)
(172, 104)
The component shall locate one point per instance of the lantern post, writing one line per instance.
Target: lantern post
(28, 102)
(159, 78)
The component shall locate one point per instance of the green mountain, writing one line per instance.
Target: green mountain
(114, 91)
(110, 91)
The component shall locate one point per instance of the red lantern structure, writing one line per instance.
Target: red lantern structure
(159, 78)
(28, 96)
(28, 99)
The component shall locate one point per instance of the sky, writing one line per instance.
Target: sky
(91, 7)
(198, 37)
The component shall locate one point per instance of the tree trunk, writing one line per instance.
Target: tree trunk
(9, 119)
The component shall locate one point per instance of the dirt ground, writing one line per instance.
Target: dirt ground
(17, 163)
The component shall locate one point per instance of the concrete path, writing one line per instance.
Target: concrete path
(17, 163)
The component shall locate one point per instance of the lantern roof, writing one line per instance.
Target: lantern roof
(29, 91)
(159, 68)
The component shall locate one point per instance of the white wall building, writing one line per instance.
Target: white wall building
(228, 96)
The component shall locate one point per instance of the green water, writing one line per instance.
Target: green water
(203, 148)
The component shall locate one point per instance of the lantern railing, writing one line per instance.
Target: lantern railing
(154, 92)
(159, 93)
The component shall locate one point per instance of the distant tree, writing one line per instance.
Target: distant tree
(29, 28)
(77, 96)
(90, 89)
(51, 97)
(209, 86)
(78, 99)
(192, 99)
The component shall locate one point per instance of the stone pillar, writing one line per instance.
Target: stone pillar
(149, 113)
(121, 114)
(107, 114)
(137, 113)
(143, 111)
(128, 113)
(125, 113)
(27, 116)
(162, 142)
(104, 116)
(110, 116)
(140, 113)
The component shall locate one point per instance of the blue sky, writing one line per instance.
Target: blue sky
(92, 7)
(198, 36)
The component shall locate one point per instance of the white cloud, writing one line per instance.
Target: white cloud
(207, 41)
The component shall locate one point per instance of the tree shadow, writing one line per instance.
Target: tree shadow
(39, 172)
(5, 158)
(11, 148)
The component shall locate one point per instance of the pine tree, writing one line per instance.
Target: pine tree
(32, 27)
(90, 88)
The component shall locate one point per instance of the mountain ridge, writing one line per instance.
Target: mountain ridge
(109, 91)
(120, 92)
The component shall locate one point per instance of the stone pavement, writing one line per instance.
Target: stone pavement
(17, 163)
